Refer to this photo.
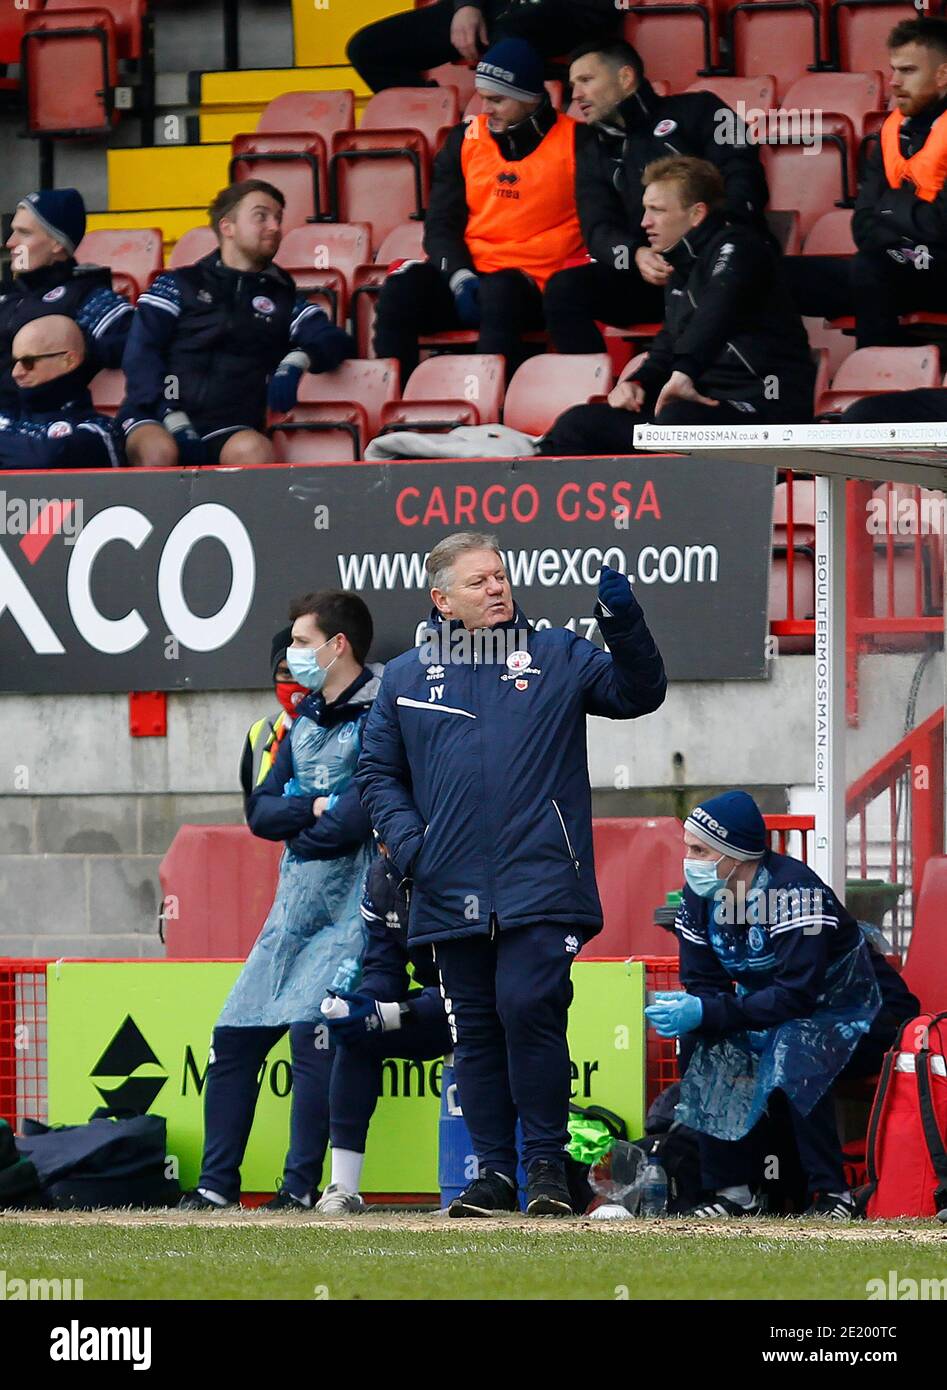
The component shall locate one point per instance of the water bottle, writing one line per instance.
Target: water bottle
(654, 1189)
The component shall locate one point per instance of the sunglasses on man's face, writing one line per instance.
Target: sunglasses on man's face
(28, 363)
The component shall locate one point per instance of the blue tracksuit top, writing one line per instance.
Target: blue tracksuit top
(795, 928)
(475, 773)
(217, 334)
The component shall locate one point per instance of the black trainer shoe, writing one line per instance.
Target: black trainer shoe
(721, 1209)
(831, 1205)
(547, 1192)
(486, 1196)
(196, 1201)
(285, 1201)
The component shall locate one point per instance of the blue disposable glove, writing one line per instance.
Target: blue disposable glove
(191, 451)
(465, 287)
(284, 384)
(675, 1013)
(615, 593)
(363, 1020)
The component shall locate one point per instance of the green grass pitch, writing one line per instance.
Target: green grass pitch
(425, 1257)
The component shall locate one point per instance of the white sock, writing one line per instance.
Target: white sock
(845, 1196)
(347, 1169)
(741, 1195)
(214, 1197)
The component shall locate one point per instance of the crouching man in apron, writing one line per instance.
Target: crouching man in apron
(314, 936)
(779, 988)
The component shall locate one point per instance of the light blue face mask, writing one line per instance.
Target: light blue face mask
(305, 667)
(701, 877)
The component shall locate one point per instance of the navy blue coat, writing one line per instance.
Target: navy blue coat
(491, 774)
(80, 292)
(220, 333)
(68, 435)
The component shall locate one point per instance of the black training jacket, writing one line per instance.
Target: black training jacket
(610, 162)
(729, 322)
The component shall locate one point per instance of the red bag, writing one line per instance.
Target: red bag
(906, 1147)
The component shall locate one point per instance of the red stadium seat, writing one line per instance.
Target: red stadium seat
(135, 256)
(314, 113)
(544, 386)
(831, 235)
(403, 243)
(69, 59)
(852, 94)
(803, 513)
(108, 391)
(756, 93)
(803, 596)
(12, 23)
(871, 371)
(778, 36)
(674, 39)
(380, 173)
(925, 970)
(832, 341)
(637, 863)
(69, 72)
(806, 179)
(128, 16)
(296, 164)
(192, 246)
(367, 287)
(450, 390)
(345, 404)
(457, 75)
(426, 109)
(859, 31)
(323, 258)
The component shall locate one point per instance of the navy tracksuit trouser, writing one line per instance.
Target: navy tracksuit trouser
(232, 1087)
(726, 1163)
(357, 1074)
(508, 1000)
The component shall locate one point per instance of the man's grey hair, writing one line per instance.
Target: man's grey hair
(440, 562)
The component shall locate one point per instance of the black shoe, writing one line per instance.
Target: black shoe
(547, 1192)
(196, 1201)
(721, 1209)
(486, 1196)
(831, 1205)
(285, 1201)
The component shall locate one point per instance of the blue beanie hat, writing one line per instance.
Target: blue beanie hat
(511, 68)
(731, 824)
(61, 211)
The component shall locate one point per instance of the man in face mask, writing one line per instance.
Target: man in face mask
(266, 735)
(779, 989)
(314, 936)
(56, 425)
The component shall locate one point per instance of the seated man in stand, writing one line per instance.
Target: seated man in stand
(56, 424)
(732, 350)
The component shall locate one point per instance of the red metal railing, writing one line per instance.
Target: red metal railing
(910, 776)
(894, 570)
